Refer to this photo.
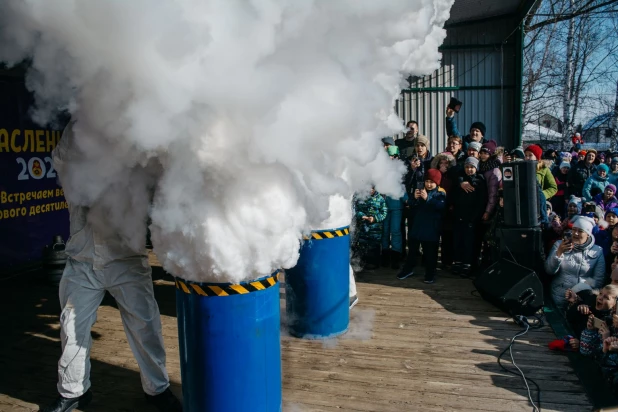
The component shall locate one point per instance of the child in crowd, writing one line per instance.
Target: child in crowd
(392, 244)
(574, 208)
(369, 214)
(607, 200)
(469, 201)
(445, 162)
(428, 205)
(596, 183)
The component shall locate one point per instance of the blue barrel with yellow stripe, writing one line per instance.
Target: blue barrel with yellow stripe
(230, 353)
(317, 288)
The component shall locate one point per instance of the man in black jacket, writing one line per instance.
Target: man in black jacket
(580, 173)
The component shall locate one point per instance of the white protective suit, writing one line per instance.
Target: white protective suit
(97, 264)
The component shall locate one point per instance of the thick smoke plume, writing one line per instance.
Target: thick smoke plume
(246, 120)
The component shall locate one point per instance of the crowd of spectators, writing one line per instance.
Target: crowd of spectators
(453, 205)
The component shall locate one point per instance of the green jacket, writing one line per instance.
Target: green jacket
(547, 182)
(374, 206)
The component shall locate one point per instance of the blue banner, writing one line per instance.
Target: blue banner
(32, 205)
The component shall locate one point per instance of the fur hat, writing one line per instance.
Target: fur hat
(535, 150)
(435, 162)
(472, 161)
(584, 223)
(480, 126)
(434, 175)
(422, 140)
(475, 146)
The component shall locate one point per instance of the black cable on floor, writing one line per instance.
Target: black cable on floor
(520, 373)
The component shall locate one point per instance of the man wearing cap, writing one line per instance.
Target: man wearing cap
(581, 172)
(575, 259)
(477, 130)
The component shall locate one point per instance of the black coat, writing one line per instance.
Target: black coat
(469, 207)
(578, 176)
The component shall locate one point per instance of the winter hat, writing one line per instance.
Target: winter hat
(388, 140)
(535, 150)
(577, 201)
(549, 153)
(422, 140)
(612, 210)
(574, 156)
(578, 135)
(584, 223)
(565, 155)
(602, 155)
(434, 175)
(603, 166)
(561, 344)
(565, 164)
(614, 161)
(475, 146)
(590, 151)
(472, 161)
(489, 147)
(480, 126)
(518, 152)
(612, 187)
(393, 151)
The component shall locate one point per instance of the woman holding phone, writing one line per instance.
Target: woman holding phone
(575, 259)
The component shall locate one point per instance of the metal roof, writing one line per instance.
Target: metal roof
(471, 10)
(602, 120)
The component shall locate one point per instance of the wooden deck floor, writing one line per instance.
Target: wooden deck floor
(411, 347)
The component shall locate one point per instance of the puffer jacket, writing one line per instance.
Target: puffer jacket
(594, 183)
(493, 176)
(605, 204)
(612, 178)
(574, 267)
(427, 223)
(546, 180)
(579, 173)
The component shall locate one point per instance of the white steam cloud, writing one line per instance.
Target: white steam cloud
(244, 118)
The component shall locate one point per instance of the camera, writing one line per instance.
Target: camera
(455, 104)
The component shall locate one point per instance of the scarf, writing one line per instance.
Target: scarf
(490, 164)
(584, 246)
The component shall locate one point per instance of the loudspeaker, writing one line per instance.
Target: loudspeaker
(522, 245)
(511, 287)
(521, 196)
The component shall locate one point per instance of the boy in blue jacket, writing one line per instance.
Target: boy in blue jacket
(428, 205)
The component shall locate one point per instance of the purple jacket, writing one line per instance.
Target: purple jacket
(612, 203)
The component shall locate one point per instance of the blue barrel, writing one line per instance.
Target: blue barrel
(230, 353)
(317, 288)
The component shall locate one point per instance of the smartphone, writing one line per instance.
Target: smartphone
(568, 235)
(455, 104)
(597, 322)
(420, 185)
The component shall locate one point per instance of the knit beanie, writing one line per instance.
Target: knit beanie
(475, 146)
(584, 223)
(612, 210)
(582, 153)
(393, 150)
(434, 175)
(422, 140)
(472, 161)
(489, 147)
(480, 126)
(565, 164)
(535, 150)
(614, 161)
(603, 166)
(611, 187)
(518, 152)
(388, 140)
(577, 201)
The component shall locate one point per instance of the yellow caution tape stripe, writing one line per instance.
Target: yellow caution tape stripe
(226, 290)
(328, 234)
